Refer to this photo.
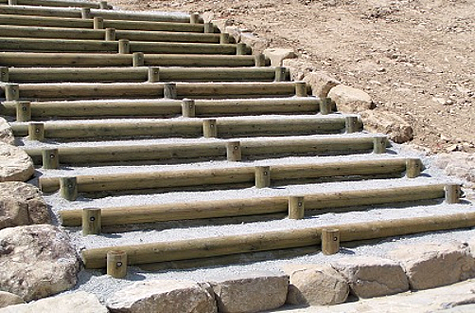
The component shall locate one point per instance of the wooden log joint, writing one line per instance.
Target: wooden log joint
(4, 77)
(296, 207)
(233, 151)
(68, 188)
(117, 263)
(36, 131)
(259, 60)
(124, 46)
(210, 129)
(453, 192)
(109, 35)
(241, 48)
(169, 91)
(23, 111)
(91, 221)
(188, 108)
(379, 144)
(138, 59)
(413, 167)
(153, 74)
(86, 13)
(194, 18)
(351, 124)
(301, 89)
(330, 241)
(280, 74)
(262, 176)
(98, 22)
(12, 92)
(325, 106)
(50, 158)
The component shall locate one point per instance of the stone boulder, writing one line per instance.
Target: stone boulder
(321, 83)
(251, 292)
(277, 55)
(299, 67)
(372, 277)
(6, 133)
(458, 164)
(434, 265)
(351, 100)
(7, 299)
(315, 285)
(22, 204)
(395, 127)
(16, 164)
(258, 45)
(36, 261)
(78, 302)
(163, 296)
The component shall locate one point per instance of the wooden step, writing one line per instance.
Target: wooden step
(31, 59)
(60, 3)
(188, 151)
(237, 177)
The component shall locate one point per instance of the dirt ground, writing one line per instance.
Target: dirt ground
(414, 57)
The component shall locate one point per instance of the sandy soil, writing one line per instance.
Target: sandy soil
(414, 57)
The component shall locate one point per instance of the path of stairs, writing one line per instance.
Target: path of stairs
(136, 120)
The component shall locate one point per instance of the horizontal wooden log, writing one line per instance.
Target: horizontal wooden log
(45, 21)
(99, 34)
(140, 90)
(57, 3)
(30, 59)
(275, 240)
(161, 153)
(139, 74)
(327, 201)
(70, 45)
(106, 14)
(226, 176)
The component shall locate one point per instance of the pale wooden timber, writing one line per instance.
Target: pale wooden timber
(314, 203)
(188, 108)
(330, 241)
(413, 167)
(156, 108)
(68, 187)
(36, 131)
(91, 221)
(233, 151)
(296, 207)
(58, 3)
(260, 176)
(44, 21)
(452, 193)
(160, 153)
(325, 106)
(23, 111)
(117, 263)
(50, 158)
(38, 59)
(276, 240)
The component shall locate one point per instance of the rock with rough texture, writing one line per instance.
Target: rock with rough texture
(372, 277)
(16, 165)
(78, 302)
(36, 261)
(164, 296)
(6, 133)
(315, 285)
(434, 265)
(22, 204)
(276, 55)
(251, 292)
(321, 83)
(395, 127)
(258, 45)
(351, 100)
(7, 299)
(299, 67)
(458, 164)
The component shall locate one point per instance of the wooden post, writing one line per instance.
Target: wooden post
(194, 18)
(379, 144)
(12, 2)
(138, 59)
(98, 22)
(50, 159)
(91, 221)
(4, 77)
(208, 28)
(262, 176)
(68, 188)
(452, 193)
(280, 74)
(36, 131)
(209, 128)
(124, 46)
(23, 111)
(110, 35)
(296, 207)
(188, 108)
(224, 38)
(169, 91)
(103, 5)
(259, 60)
(86, 13)
(233, 151)
(413, 167)
(153, 74)
(330, 241)
(117, 263)
(325, 106)
(241, 48)
(351, 124)
(301, 89)
(12, 92)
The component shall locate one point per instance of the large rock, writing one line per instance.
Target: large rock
(7, 299)
(351, 100)
(6, 133)
(434, 265)
(321, 83)
(315, 285)
(277, 55)
(458, 164)
(163, 296)
(299, 67)
(22, 204)
(251, 292)
(372, 277)
(36, 261)
(258, 45)
(16, 164)
(388, 123)
(78, 302)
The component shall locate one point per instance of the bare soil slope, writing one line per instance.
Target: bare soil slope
(414, 57)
